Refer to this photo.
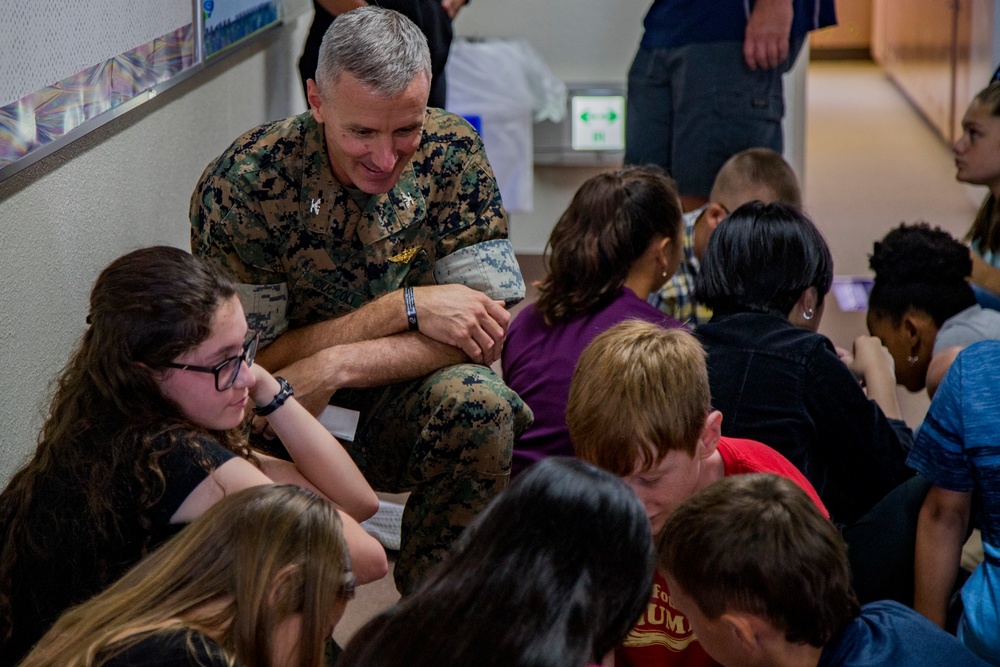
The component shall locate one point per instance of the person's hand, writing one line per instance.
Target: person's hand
(847, 357)
(464, 318)
(452, 7)
(871, 359)
(938, 368)
(877, 372)
(765, 44)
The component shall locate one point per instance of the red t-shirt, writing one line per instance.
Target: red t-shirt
(663, 637)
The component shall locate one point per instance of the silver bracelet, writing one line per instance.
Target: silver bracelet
(411, 309)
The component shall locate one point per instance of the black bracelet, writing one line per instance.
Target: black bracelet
(411, 308)
(284, 392)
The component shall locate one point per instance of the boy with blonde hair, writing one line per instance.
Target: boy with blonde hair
(763, 579)
(640, 407)
(753, 174)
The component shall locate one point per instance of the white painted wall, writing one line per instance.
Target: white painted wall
(581, 40)
(123, 186)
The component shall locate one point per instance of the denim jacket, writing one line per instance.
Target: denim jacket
(786, 387)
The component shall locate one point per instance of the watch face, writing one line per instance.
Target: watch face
(284, 391)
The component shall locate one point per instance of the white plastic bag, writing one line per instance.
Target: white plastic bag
(508, 86)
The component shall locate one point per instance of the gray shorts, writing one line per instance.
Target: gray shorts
(691, 108)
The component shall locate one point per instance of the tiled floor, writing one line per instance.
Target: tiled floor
(871, 163)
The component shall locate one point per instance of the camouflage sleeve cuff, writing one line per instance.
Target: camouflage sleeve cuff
(266, 307)
(489, 267)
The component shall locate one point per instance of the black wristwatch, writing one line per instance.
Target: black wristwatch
(285, 390)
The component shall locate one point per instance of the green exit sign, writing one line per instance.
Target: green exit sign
(598, 122)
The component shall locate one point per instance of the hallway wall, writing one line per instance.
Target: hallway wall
(125, 185)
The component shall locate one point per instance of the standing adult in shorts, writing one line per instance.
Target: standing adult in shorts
(706, 83)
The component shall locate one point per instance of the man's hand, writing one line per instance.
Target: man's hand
(452, 7)
(464, 318)
(768, 29)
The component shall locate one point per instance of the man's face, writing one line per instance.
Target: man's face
(370, 138)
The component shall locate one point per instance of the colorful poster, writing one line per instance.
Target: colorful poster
(45, 41)
(41, 118)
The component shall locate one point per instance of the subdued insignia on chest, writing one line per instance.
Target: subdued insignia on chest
(405, 256)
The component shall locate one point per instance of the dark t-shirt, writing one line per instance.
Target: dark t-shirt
(79, 561)
(173, 648)
(673, 23)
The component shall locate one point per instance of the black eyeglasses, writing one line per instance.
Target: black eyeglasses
(226, 372)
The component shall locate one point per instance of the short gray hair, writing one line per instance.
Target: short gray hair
(379, 47)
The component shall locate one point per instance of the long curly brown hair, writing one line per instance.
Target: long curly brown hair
(108, 420)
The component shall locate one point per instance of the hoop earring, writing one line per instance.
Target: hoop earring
(808, 314)
(913, 359)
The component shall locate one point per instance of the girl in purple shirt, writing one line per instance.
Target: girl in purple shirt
(619, 241)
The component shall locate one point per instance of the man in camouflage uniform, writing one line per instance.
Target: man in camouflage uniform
(328, 219)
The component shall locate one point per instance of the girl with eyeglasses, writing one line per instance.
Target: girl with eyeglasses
(260, 579)
(145, 433)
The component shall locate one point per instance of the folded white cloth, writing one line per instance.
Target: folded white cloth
(386, 524)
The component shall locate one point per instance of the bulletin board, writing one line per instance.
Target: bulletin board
(67, 68)
(230, 22)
